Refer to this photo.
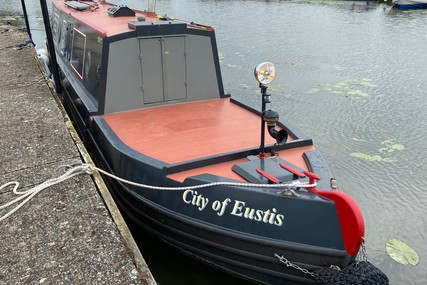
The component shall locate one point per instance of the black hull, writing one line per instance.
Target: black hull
(252, 258)
(249, 257)
(232, 253)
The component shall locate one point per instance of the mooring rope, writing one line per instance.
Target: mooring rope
(294, 184)
(27, 195)
(74, 170)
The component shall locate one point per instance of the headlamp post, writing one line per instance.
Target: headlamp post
(265, 100)
(264, 74)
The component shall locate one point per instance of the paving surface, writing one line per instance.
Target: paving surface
(65, 234)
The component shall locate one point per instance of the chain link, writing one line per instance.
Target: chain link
(362, 256)
(285, 261)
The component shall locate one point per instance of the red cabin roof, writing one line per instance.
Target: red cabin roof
(98, 18)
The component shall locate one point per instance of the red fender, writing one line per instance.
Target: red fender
(349, 214)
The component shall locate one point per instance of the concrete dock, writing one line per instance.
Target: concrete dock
(70, 233)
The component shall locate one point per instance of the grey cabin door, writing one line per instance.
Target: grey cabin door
(163, 69)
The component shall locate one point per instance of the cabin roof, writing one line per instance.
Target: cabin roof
(98, 18)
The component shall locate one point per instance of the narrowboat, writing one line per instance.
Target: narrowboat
(227, 183)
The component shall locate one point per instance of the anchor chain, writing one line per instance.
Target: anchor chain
(285, 261)
(362, 256)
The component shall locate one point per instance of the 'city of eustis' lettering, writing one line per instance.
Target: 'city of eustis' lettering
(268, 216)
(239, 208)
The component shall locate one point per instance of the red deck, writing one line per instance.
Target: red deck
(182, 132)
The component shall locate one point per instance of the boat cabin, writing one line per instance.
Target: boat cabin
(141, 60)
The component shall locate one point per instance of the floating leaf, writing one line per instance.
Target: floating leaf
(359, 155)
(390, 147)
(353, 92)
(374, 158)
(366, 157)
(351, 87)
(358, 140)
(397, 147)
(231, 65)
(341, 84)
(389, 159)
(385, 149)
(368, 84)
(401, 252)
(313, 90)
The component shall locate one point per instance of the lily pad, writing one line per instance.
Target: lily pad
(358, 140)
(389, 159)
(374, 158)
(366, 157)
(401, 252)
(358, 155)
(390, 147)
(397, 147)
(313, 90)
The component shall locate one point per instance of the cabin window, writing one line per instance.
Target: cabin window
(55, 27)
(78, 52)
(64, 39)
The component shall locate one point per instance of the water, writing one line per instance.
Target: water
(351, 75)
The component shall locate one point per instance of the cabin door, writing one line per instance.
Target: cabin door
(163, 69)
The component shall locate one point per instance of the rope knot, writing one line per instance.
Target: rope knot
(87, 168)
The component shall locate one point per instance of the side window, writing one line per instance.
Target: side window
(78, 51)
(55, 27)
(64, 39)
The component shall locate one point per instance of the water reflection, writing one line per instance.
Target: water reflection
(351, 75)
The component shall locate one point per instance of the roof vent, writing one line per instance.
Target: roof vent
(121, 11)
(77, 5)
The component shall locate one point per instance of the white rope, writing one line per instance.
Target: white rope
(88, 169)
(27, 195)
(294, 184)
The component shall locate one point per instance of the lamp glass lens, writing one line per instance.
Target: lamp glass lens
(265, 72)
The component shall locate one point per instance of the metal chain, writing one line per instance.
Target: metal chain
(285, 261)
(362, 256)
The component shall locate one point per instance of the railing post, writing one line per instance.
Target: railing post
(24, 9)
(51, 47)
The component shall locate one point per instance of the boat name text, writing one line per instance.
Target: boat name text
(237, 208)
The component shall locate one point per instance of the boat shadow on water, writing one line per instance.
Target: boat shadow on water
(169, 265)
